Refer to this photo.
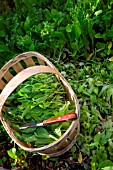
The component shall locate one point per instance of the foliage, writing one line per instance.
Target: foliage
(77, 36)
(37, 99)
(66, 28)
(92, 82)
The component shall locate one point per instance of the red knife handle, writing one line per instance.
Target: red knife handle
(70, 116)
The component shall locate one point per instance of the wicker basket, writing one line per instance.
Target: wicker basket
(24, 66)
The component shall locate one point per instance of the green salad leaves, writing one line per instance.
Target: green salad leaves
(39, 98)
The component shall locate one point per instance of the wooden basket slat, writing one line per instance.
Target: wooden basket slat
(4, 109)
(29, 62)
(22, 57)
(60, 147)
(63, 144)
(8, 76)
(18, 67)
(41, 62)
(2, 84)
(73, 134)
(6, 67)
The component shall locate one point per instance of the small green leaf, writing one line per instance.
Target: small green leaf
(108, 168)
(63, 110)
(29, 130)
(42, 132)
(98, 12)
(97, 137)
(58, 131)
(27, 110)
(18, 136)
(27, 24)
(98, 35)
(14, 163)
(25, 164)
(13, 150)
(32, 47)
(110, 59)
(92, 145)
(106, 163)
(77, 28)
(95, 89)
(110, 45)
(80, 158)
(109, 93)
(104, 88)
(81, 88)
(69, 28)
(44, 157)
(12, 153)
(30, 139)
(109, 32)
(4, 159)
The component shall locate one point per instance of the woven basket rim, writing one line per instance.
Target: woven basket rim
(53, 70)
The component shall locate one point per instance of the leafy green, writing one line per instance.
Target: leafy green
(12, 153)
(77, 37)
(39, 98)
(70, 29)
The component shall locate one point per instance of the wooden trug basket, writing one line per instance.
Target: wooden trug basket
(24, 66)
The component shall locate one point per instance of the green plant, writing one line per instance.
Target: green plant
(39, 98)
(61, 30)
(18, 157)
(77, 37)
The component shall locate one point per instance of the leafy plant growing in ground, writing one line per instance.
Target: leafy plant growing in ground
(95, 93)
(81, 29)
(93, 149)
(50, 30)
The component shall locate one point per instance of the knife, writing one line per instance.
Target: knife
(64, 118)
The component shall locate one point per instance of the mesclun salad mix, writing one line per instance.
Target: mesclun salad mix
(39, 98)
